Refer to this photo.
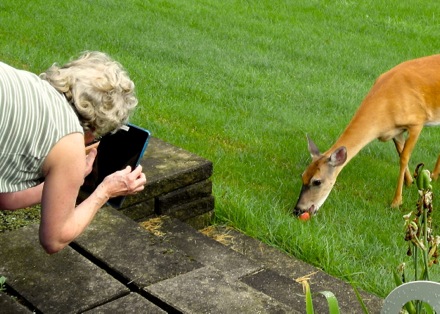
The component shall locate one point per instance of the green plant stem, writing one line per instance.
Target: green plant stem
(416, 266)
(425, 241)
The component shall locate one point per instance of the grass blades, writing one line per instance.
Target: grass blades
(333, 305)
(309, 301)
(359, 298)
(332, 302)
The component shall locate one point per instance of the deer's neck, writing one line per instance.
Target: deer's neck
(360, 132)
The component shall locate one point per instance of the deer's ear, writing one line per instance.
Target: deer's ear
(338, 157)
(313, 149)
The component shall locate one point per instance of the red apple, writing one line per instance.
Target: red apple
(304, 216)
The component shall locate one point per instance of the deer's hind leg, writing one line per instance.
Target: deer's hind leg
(436, 171)
(399, 142)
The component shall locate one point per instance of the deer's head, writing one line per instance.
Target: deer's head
(318, 179)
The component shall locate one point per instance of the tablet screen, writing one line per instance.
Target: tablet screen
(116, 151)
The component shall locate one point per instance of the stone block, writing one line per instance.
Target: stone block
(168, 168)
(65, 282)
(184, 195)
(177, 184)
(132, 254)
(208, 290)
(184, 203)
(140, 211)
(281, 268)
(281, 288)
(201, 221)
(134, 302)
(9, 305)
(190, 209)
(206, 250)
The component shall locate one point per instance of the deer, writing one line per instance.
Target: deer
(400, 103)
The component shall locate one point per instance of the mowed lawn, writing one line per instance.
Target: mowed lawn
(241, 83)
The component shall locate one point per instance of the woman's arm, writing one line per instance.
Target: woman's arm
(64, 168)
(21, 199)
(32, 196)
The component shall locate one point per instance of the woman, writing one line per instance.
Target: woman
(45, 124)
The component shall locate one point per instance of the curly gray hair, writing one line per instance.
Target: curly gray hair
(98, 88)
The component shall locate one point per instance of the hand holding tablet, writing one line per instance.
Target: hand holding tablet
(116, 151)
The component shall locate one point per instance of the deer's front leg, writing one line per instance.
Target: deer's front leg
(410, 143)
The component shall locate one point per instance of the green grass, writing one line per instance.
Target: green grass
(241, 83)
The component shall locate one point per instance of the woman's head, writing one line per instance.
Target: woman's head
(98, 88)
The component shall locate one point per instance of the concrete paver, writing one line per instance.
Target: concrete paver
(129, 251)
(206, 250)
(10, 305)
(65, 282)
(289, 267)
(209, 290)
(118, 266)
(132, 303)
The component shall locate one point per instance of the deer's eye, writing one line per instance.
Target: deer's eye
(316, 182)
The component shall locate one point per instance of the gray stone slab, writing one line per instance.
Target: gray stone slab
(191, 209)
(168, 168)
(208, 290)
(201, 221)
(184, 195)
(132, 303)
(130, 251)
(9, 305)
(206, 250)
(65, 282)
(284, 290)
(290, 267)
(140, 211)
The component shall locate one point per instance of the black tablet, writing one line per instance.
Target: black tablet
(116, 151)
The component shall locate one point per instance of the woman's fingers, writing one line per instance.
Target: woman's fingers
(125, 182)
(90, 158)
(137, 179)
(90, 147)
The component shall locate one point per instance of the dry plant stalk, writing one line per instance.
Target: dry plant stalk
(223, 238)
(154, 225)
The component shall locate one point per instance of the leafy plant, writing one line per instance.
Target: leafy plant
(332, 301)
(422, 247)
(422, 243)
(2, 283)
(359, 298)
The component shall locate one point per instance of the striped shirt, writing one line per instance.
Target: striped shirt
(34, 116)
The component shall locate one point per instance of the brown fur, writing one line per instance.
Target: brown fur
(404, 99)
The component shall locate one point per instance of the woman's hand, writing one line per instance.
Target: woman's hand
(90, 158)
(124, 182)
(64, 169)
(91, 147)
